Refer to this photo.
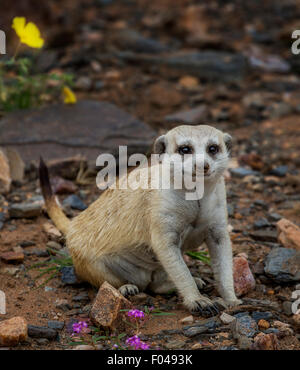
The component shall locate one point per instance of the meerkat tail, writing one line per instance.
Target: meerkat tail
(54, 211)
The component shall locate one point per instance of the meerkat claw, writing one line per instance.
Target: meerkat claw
(128, 290)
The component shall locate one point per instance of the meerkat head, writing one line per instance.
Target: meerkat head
(213, 145)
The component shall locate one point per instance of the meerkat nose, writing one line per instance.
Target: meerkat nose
(206, 167)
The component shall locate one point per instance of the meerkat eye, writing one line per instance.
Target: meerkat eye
(213, 149)
(185, 149)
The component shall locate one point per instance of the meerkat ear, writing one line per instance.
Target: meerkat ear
(228, 142)
(160, 145)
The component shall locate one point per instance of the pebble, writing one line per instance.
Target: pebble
(261, 223)
(13, 331)
(56, 325)
(263, 324)
(41, 332)
(82, 297)
(193, 116)
(265, 342)
(288, 234)
(287, 308)
(201, 327)
(274, 217)
(68, 275)
(226, 319)
(243, 278)
(258, 315)
(264, 235)
(25, 210)
(279, 171)
(283, 265)
(241, 172)
(244, 325)
(12, 257)
(175, 344)
(74, 202)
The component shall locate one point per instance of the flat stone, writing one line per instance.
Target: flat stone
(12, 257)
(241, 172)
(187, 320)
(209, 65)
(243, 278)
(61, 131)
(288, 234)
(25, 210)
(51, 231)
(56, 325)
(203, 326)
(16, 165)
(264, 235)
(283, 265)
(258, 315)
(41, 332)
(106, 308)
(13, 331)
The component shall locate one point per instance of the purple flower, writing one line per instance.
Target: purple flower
(79, 326)
(136, 314)
(136, 343)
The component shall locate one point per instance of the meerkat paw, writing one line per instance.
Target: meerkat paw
(200, 283)
(128, 290)
(203, 306)
(233, 302)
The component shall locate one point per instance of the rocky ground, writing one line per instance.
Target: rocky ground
(227, 64)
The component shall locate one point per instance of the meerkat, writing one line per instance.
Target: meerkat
(135, 239)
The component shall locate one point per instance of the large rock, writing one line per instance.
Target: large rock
(244, 281)
(88, 127)
(265, 342)
(13, 331)
(288, 234)
(283, 265)
(106, 308)
(5, 178)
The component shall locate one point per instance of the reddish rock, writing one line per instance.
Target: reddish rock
(12, 257)
(106, 308)
(62, 186)
(288, 234)
(242, 275)
(5, 178)
(266, 342)
(13, 331)
(296, 320)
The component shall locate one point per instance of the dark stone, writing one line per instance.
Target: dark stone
(264, 235)
(68, 275)
(243, 326)
(37, 252)
(132, 40)
(61, 131)
(209, 65)
(56, 325)
(261, 203)
(41, 332)
(1, 225)
(274, 217)
(26, 243)
(82, 297)
(24, 210)
(205, 326)
(74, 202)
(258, 315)
(2, 217)
(283, 265)
(279, 171)
(241, 172)
(261, 223)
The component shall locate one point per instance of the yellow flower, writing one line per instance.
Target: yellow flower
(28, 33)
(69, 96)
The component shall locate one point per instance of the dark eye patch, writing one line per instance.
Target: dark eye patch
(213, 149)
(185, 149)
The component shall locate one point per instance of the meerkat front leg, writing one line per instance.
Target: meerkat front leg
(165, 246)
(219, 245)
